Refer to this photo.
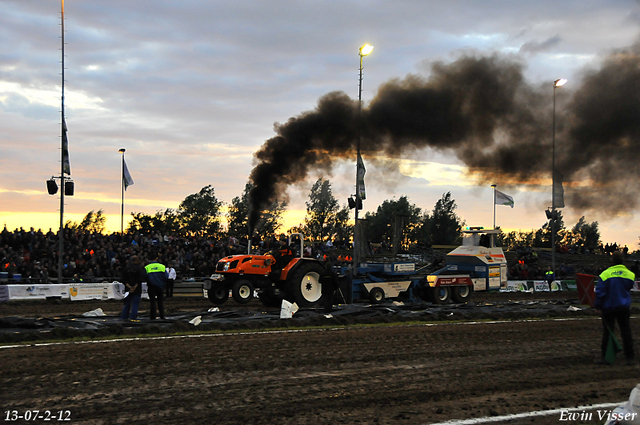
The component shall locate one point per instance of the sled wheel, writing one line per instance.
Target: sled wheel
(376, 295)
(462, 294)
(242, 291)
(441, 294)
(304, 285)
(218, 294)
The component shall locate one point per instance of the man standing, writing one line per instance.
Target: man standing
(549, 276)
(171, 278)
(613, 297)
(156, 280)
(133, 275)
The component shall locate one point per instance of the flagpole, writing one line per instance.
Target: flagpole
(494, 205)
(122, 150)
(62, 162)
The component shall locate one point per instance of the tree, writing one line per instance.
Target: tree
(395, 220)
(322, 211)
(238, 217)
(586, 235)
(542, 238)
(445, 225)
(165, 222)
(198, 212)
(91, 223)
(238, 213)
(342, 231)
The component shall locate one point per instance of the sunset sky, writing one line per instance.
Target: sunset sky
(191, 89)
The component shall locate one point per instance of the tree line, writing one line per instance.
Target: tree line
(395, 223)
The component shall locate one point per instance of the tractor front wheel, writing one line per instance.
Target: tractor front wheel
(242, 291)
(218, 294)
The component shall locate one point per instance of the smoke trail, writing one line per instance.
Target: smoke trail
(482, 110)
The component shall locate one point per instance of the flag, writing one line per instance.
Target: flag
(361, 173)
(66, 167)
(504, 199)
(126, 177)
(558, 191)
(613, 347)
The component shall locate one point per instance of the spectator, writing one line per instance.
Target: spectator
(613, 298)
(171, 279)
(132, 276)
(156, 281)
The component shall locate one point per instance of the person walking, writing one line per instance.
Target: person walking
(613, 298)
(171, 279)
(156, 280)
(329, 286)
(133, 275)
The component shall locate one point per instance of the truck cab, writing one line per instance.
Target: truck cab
(470, 267)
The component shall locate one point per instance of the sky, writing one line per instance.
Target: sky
(192, 89)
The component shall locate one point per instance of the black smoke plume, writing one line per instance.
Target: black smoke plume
(481, 109)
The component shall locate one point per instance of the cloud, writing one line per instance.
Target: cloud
(193, 89)
(534, 47)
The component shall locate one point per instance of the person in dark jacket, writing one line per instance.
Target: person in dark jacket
(132, 276)
(156, 280)
(329, 286)
(613, 298)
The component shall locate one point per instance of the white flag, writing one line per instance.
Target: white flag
(126, 177)
(504, 199)
(65, 149)
(558, 191)
(361, 173)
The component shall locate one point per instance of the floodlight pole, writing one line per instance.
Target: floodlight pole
(363, 51)
(557, 83)
(494, 205)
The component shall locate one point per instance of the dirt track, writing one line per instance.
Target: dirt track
(401, 374)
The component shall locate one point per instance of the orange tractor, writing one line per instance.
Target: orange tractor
(274, 276)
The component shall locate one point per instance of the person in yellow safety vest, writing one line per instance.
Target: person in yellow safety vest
(156, 281)
(549, 276)
(613, 298)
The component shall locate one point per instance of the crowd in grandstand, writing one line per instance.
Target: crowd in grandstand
(96, 257)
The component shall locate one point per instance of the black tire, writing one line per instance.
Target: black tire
(304, 285)
(242, 291)
(441, 294)
(218, 294)
(376, 295)
(268, 299)
(423, 292)
(462, 294)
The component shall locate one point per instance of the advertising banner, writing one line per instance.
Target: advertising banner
(89, 291)
(517, 286)
(37, 291)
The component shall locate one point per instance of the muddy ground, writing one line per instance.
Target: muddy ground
(353, 369)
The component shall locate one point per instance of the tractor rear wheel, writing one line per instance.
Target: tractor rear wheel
(242, 291)
(218, 294)
(462, 294)
(304, 284)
